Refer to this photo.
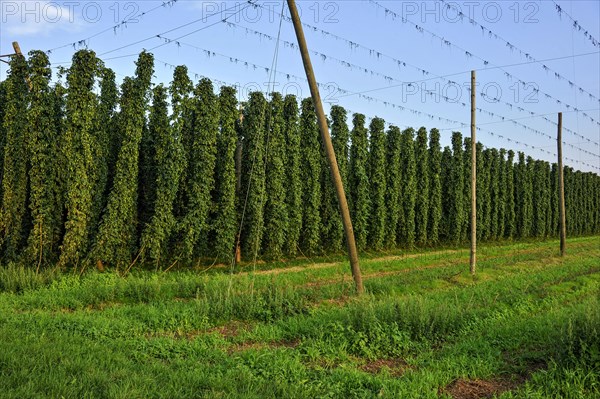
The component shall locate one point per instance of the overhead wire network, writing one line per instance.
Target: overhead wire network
(203, 18)
(370, 98)
(360, 68)
(198, 75)
(486, 63)
(425, 72)
(513, 47)
(576, 25)
(348, 64)
(402, 108)
(446, 42)
(510, 105)
(85, 42)
(379, 54)
(250, 3)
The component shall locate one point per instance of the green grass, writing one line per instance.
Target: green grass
(528, 323)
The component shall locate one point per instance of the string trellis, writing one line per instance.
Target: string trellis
(486, 63)
(488, 32)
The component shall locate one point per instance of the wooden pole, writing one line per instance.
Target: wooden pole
(18, 52)
(473, 261)
(17, 48)
(335, 173)
(561, 191)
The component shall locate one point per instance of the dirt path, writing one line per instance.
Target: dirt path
(391, 258)
(419, 255)
(318, 266)
(434, 265)
(368, 276)
(294, 269)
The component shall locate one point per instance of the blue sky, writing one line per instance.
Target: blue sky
(529, 57)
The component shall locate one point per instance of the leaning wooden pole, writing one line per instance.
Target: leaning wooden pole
(335, 172)
(18, 52)
(561, 191)
(473, 262)
(17, 48)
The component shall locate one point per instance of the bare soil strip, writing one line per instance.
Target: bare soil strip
(477, 389)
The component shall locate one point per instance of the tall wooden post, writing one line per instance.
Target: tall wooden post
(335, 173)
(17, 48)
(18, 52)
(561, 191)
(473, 261)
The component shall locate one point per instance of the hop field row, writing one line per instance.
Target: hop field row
(93, 173)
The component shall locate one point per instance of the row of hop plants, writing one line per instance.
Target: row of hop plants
(93, 173)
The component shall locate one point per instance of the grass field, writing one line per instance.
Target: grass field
(527, 326)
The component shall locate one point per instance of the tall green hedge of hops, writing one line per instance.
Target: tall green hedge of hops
(74, 172)
(358, 181)
(41, 133)
(333, 230)
(456, 192)
(253, 174)
(409, 188)
(276, 215)
(106, 145)
(13, 222)
(422, 177)
(225, 218)
(394, 185)
(435, 187)
(81, 110)
(3, 106)
(510, 227)
(312, 163)
(168, 161)
(293, 178)
(116, 240)
(201, 154)
(378, 182)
